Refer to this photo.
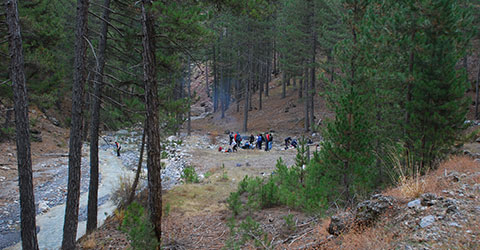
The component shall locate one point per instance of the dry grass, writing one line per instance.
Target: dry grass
(89, 242)
(381, 236)
(434, 181)
(213, 136)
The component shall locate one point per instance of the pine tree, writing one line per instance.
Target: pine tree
(25, 178)
(438, 105)
(347, 154)
(75, 144)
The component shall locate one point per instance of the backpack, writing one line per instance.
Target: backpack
(268, 137)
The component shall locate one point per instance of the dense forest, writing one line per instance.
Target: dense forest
(397, 74)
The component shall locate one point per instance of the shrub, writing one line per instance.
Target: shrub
(247, 230)
(269, 194)
(121, 194)
(7, 133)
(189, 175)
(289, 223)
(138, 228)
(234, 203)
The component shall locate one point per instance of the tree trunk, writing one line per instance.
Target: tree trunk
(306, 101)
(284, 85)
(266, 87)
(95, 122)
(139, 170)
(75, 144)
(189, 115)
(206, 79)
(312, 67)
(86, 106)
(152, 126)
(24, 160)
(312, 81)
(300, 88)
(215, 82)
(260, 85)
(247, 90)
(477, 92)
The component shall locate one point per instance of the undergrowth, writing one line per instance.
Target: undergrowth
(139, 230)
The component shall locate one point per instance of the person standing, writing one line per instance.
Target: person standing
(267, 141)
(118, 148)
(259, 141)
(230, 136)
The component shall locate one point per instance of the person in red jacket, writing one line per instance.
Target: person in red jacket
(118, 148)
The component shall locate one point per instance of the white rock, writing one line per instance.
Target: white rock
(43, 207)
(415, 204)
(454, 224)
(427, 221)
(172, 138)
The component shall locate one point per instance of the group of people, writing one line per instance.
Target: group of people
(289, 142)
(251, 142)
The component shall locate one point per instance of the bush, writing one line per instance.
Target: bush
(247, 230)
(138, 228)
(7, 133)
(189, 175)
(234, 203)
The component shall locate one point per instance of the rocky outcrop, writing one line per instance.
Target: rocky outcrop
(365, 213)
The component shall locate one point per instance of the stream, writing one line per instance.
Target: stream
(50, 196)
(50, 223)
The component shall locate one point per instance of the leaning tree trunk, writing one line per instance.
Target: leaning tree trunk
(75, 144)
(139, 169)
(152, 126)
(17, 75)
(95, 122)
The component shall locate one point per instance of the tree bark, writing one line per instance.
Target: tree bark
(24, 160)
(95, 122)
(152, 126)
(75, 144)
(139, 170)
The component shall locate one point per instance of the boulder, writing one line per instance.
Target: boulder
(429, 199)
(368, 211)
(365, 213)
(340, 223)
